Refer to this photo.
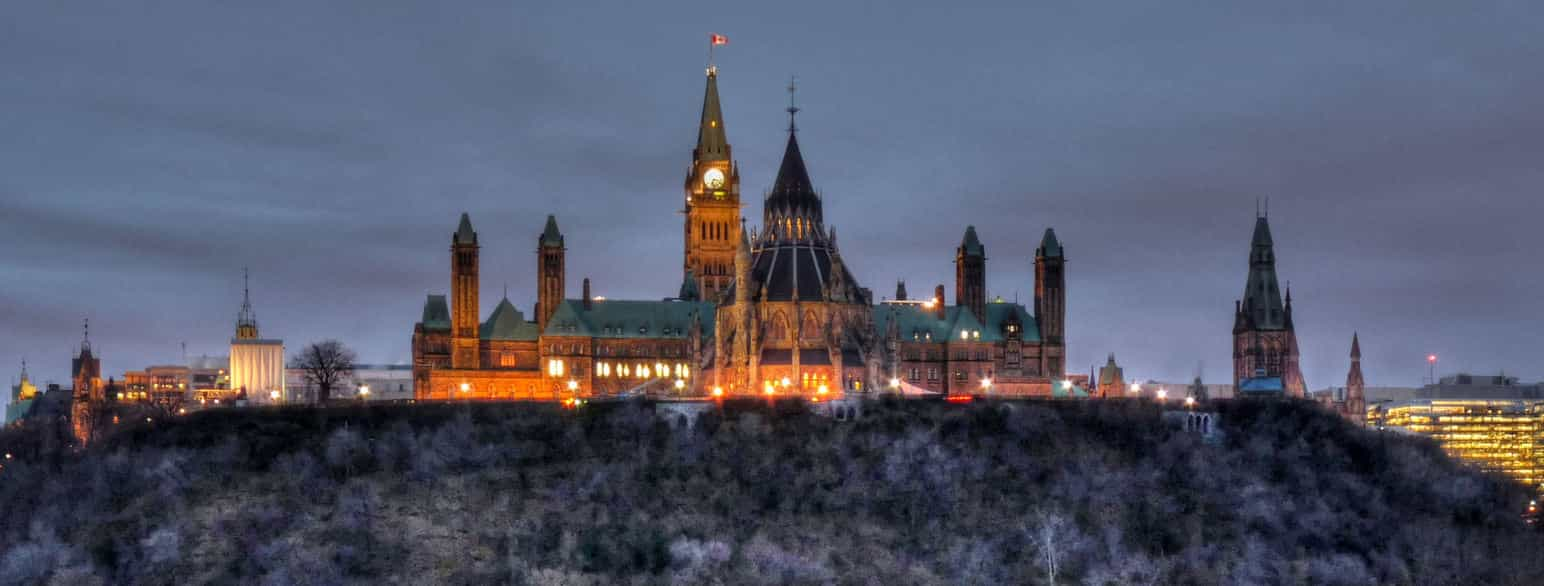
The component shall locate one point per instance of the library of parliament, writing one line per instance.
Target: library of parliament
(769, 311)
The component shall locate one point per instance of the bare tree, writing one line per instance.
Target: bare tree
(326, 364)
(1054, 537)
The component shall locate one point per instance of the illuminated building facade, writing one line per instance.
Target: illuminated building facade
(776, 311)
(256, 364)
(155, 382)
(89, 395)
(1349, 401)
(1504, 436)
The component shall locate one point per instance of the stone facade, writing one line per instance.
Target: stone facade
(771, 312)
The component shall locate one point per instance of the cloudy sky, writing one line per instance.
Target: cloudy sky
(150, 150)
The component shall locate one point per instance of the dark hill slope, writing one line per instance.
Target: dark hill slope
(1090, 492)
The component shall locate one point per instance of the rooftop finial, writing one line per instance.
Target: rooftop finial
(793, 108)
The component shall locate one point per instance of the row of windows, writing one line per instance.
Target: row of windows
(715, 230)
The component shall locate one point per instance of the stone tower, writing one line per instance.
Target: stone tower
(1264, 343)
(1356, 399)
(463, 291)
(549, 272)
(970, 274)
(1051, 301)
(712, 229)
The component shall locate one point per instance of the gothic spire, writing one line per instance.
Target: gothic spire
(712, 142)
(1262, 303)
(246, 320)
(970, 245)
(1356, 348)
(550, 236)
(1354, 376)
(464, 233)
(793, 196)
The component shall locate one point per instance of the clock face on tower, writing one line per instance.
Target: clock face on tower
(713, 179)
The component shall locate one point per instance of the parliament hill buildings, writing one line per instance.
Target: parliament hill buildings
(769, 311)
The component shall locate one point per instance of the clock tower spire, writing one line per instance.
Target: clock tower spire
(712, 228)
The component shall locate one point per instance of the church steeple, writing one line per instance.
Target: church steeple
(1262, 306)
(246, 320)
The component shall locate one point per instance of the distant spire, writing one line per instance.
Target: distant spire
(85, 339)
(1356, 348)
(246, 320)
(550, 236)
(793, 107)
(24, 370)
(464, 232)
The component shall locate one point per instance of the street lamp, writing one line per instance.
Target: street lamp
(986, 384)
(718, 391)
(1136, 387)
(1066, 385)
(785, 382)
(1163, 394)
(466, 387)
(1190, 401)
(822, 390)
(679, 384)
(1431, 368)
(573, 385)
(274, 394)
(364, 391)
(895, 383)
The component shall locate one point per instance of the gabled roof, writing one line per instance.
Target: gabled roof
(915, 322)
(550, 236)
(630, 319)
(436, 315)
(464, 232)
(507, 323)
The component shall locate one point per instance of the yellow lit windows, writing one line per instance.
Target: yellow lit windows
(555, 367)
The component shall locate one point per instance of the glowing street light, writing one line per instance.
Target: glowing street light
(1136, 387)
(679, 384)
(1163, 394)
(1066, 385)
(466, 387)
(1431, 367)
(786, 382)
(718, 391)
(986, 384)
(822, 390)
(273, 395)
(364, 391)
(895, 383)
(1190, 401)
(573, 385)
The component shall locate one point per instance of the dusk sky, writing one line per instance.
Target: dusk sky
(150, 150)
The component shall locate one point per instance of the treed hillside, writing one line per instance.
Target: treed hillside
(913, 493)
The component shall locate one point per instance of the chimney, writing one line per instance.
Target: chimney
(586, 293)
(938, 302)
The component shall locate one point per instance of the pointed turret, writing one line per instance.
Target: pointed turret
(712, 141)
(1262, 306)
(1356, 398)
(970, 274)
(464, 233)
(742, 269)
(793, 195)
(1050, 247)
(550, 236)
(900, 290)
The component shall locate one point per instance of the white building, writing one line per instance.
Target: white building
(386, 382)
(257, 365)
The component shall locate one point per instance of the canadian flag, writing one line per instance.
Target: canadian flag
(719, 39)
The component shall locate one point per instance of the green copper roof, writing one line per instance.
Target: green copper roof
(630, 319)
(507, 323)
(436, 314)
(970, 244)
(1064, 391)
(464, 232)
(689, 290)
(1050, 247)
(712, 141)
(915, 322)
(550, 236)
